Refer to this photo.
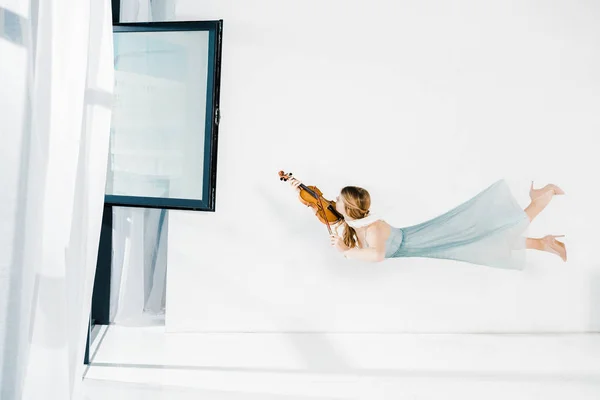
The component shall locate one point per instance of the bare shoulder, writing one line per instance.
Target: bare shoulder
(378, 231)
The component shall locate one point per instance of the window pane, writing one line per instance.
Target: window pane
(158, 125)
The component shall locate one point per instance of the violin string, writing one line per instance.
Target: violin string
(324, 215)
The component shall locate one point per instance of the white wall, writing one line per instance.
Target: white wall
(424, 104)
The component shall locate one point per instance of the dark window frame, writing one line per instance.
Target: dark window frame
(211, 129)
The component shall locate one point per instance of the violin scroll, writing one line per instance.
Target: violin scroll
(283, 176)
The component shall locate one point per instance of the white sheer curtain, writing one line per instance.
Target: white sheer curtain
(139, 266)
(147, 10)
(56, 80)
(138, 278)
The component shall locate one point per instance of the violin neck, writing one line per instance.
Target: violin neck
(313, 194)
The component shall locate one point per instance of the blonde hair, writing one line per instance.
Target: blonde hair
(356, 203)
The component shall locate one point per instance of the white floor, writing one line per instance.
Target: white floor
(146, 363)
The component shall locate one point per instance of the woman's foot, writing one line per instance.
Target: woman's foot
(551, 245)
(537, 193)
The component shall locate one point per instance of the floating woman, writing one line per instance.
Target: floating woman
(485, 230)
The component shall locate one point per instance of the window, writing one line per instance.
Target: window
(163, 139)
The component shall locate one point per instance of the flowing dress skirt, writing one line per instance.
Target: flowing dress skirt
(486, 230)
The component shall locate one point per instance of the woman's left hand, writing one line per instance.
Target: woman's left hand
(338, 242)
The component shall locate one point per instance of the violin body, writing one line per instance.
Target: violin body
(311, 196)
(326, 213)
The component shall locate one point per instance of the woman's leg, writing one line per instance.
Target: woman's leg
(548, 244)
(537, 206)
(535, 193)
(540, 198)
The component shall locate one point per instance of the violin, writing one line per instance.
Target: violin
(311, 196)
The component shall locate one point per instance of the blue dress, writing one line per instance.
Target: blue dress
(485, 230)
